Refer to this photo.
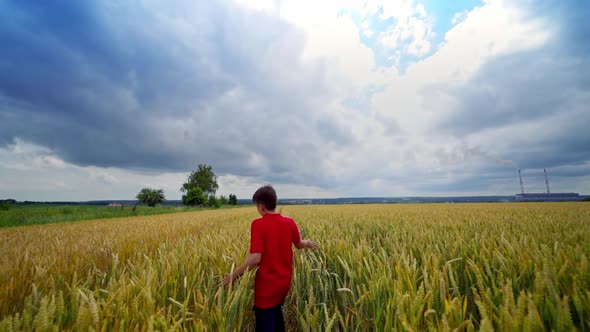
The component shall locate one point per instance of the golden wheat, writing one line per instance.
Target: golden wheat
(380, 267)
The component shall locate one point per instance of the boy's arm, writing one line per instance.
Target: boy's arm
(251, 261)
(307, 244)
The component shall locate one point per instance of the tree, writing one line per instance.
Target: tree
(222, 200)
(233, 200)
(203, 178)
(6, 204)
(193, 197)
(212, 201)
(150, 196)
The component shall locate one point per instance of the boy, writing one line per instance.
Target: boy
(271, 237)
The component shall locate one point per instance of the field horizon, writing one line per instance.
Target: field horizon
(314, 200)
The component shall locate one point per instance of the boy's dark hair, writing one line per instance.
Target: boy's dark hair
(267, 196)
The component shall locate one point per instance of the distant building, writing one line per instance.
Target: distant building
(115, 204)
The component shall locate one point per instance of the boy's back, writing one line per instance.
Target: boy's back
(273, 236)
(271, 240)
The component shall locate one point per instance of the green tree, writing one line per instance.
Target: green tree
(233, 200)
(212, 201)
(5, 205)
(222, 200)
(150, 196)
(204, 178)
(194, 196)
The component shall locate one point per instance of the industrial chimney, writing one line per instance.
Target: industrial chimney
(546, 181)
(521, 186)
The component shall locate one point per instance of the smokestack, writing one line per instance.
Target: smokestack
(546, 181)
(521, 186)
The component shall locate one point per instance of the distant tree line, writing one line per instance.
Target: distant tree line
(198, 190)
(6, 204)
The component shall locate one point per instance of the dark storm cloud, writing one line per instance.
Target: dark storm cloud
(520, 88)
(126, 85)
(67, 56)
(75, 85)
(546, 88)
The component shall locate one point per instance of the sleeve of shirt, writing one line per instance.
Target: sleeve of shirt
(256, 243)
(296, 236)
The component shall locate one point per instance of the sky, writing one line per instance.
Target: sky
(99, 99)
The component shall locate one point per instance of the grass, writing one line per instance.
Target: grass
(24, 215)
(436, 267)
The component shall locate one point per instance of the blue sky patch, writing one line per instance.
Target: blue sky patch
(441, 16)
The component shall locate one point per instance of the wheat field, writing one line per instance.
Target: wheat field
(435, 267)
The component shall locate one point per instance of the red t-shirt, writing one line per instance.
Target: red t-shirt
(272, 236)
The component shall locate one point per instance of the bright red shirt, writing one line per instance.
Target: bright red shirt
(272, 236)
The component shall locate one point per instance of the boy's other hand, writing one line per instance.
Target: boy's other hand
(227, 280)
(311, 244)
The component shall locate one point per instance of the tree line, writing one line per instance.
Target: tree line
(198, 190)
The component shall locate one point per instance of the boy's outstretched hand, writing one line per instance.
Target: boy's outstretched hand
(251, 261)
(307, 244)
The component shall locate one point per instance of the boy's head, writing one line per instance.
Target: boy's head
(266, 196)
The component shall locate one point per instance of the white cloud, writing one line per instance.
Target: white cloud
(411, 33)
(244, 187)
(102, 175)
(421, 10)
(271, 6)
(334, 39)
(47, 177)
(488, 31)
(459, 17)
